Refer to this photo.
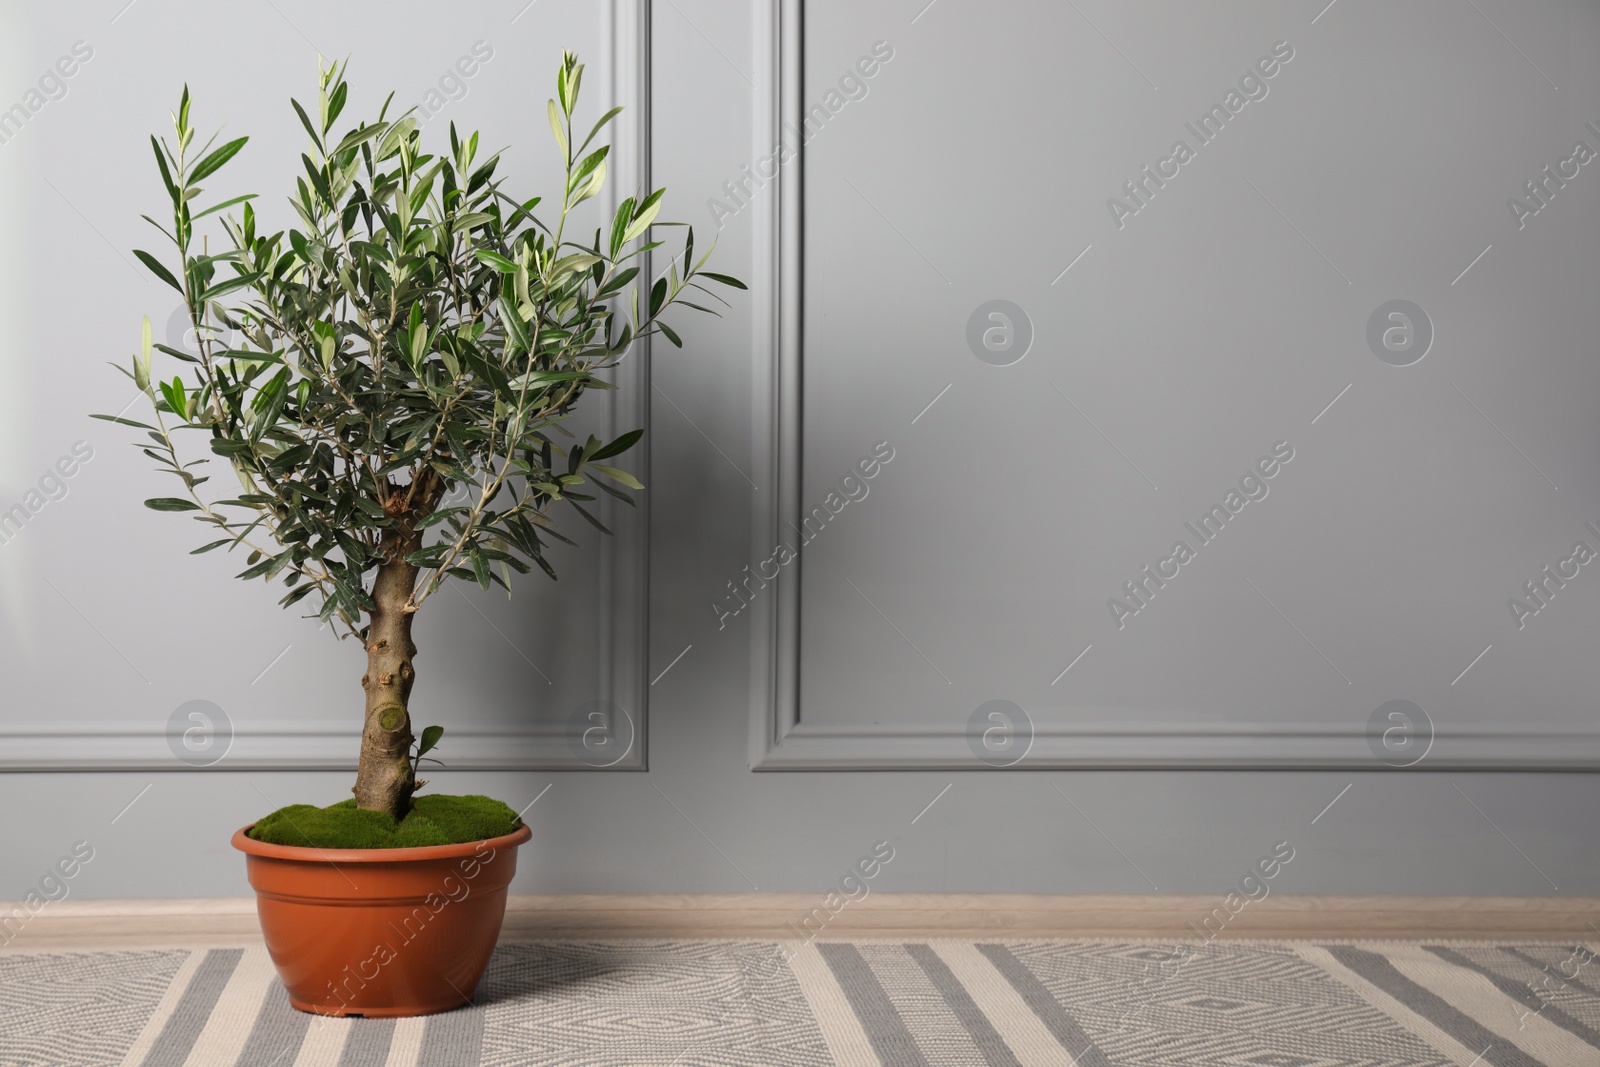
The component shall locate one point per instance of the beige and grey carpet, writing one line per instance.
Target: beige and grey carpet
(856, 1004)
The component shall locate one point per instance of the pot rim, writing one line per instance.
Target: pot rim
(334, 856)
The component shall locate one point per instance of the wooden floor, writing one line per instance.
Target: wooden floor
(107, 924)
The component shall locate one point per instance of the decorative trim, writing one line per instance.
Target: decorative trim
(776, 259)
(779, 740)
(625, 556)
(623, 668)
(100, 925)
(1231, 746)
(285, 747)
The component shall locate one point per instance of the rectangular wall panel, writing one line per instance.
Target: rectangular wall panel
(114, 636)
(1238, 387)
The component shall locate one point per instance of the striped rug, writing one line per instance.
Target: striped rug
(855, 1004)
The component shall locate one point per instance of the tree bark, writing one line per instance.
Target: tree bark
(384, 778)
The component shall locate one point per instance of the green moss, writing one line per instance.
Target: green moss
(432, 820)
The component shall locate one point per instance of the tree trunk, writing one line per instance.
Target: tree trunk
(384, 780)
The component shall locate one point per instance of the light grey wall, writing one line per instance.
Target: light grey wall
(1213, 324)
(1200, 334)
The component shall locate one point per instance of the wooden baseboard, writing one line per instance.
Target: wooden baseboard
(95, 924)
(782, 916)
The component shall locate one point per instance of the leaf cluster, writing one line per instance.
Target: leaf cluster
(417, 333)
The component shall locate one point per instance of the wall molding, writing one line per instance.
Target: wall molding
(775, 259)
(1177, 747)
(625, 556)
(622, 667)
(277, 747)
(778, 737)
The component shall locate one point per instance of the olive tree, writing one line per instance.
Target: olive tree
(398, 368)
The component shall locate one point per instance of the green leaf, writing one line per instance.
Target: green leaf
(398, 134)
(593, 186)
(430, 738)
(439, 516)
(166, 172)
(419, 337)
(472, 219)
(177, 398)
(647, 215)
(724, 279)
(670, 335)
(619, 224)
(618, 280)
(259, 569)
(244, 355)
(141, 376)
(371, 507)
(619, 446)
(306, 122)
(225, 205)
(214, 544)
(336, 103)
(516, 329)
(523, 296)
(170, 503)
(545, 377)
(122, 421)
(174, 353)
(575, 79)
(590, 519)
(356, 138)
(607, 117)
(232, 284)
(555, 128)
(212, 163)
(155, 267)
(495, 260)
(578, 261)
(618, 475)
(590, 164)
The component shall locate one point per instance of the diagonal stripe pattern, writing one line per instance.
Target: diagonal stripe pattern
(944, 1003)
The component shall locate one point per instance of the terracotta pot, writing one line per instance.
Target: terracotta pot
(381, 931)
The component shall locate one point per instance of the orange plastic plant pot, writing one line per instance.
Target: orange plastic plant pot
(381, 932)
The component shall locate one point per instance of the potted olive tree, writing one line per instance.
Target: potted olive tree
(392, 399)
